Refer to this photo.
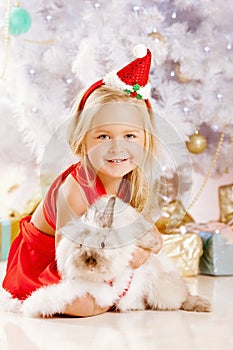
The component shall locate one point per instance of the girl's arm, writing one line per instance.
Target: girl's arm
(70, 202)
(158, 240)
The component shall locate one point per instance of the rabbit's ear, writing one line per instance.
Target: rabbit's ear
(106, 218)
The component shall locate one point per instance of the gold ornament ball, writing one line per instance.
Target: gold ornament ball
(157, 37)
(197, 143)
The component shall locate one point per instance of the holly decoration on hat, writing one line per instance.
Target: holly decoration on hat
(134, 93)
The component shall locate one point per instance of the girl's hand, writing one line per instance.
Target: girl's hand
(140, 256)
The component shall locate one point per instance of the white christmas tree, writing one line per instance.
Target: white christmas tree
(72, 44)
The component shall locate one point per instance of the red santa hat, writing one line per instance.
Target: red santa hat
(133, 79)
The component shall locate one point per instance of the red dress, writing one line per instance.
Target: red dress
(31, 262)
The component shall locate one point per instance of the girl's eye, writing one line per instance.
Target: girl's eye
(103, 137)
(130, 136)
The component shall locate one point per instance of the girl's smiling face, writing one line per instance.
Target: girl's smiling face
(115, 143)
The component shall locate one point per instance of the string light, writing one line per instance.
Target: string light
(232, 143)
(219, 96)
(211, 168)
(174, 15)
(136, 8)
(6, 39)
(97, 5)
(32, 71)
(69, 81)
(206, 49)
(43, 42)
(49, 18)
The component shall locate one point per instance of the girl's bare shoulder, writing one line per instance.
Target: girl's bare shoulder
(71, 197)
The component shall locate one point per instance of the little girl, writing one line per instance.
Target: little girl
(113, 132)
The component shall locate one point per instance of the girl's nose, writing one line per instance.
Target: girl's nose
(116, 145)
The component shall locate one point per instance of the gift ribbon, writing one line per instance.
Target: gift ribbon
(5, 238)
(213, 227)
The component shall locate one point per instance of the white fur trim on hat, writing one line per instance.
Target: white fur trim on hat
(140, 50)
(112, 79)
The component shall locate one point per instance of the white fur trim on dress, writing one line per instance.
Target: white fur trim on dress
(50, 300)
(8, 303)
(112, 79)
(43, 302)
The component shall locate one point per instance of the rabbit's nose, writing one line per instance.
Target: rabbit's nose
(90, 260)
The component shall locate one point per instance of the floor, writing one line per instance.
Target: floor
(149, 330)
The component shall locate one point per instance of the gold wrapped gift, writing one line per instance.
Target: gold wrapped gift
(32, 204)
(29, 208)
(173, 215)
(225, 194)
(185, 250)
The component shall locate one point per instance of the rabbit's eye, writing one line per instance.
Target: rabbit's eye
(102, 245)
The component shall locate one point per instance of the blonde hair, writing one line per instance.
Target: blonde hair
(81, 122)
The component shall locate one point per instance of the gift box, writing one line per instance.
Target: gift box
(217, 258)
(185, 250)
(173, 215)
(9, 229)
(225, 195)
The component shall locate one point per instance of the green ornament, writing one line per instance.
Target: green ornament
(139, 97)
(20, 21)
(136, 87)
